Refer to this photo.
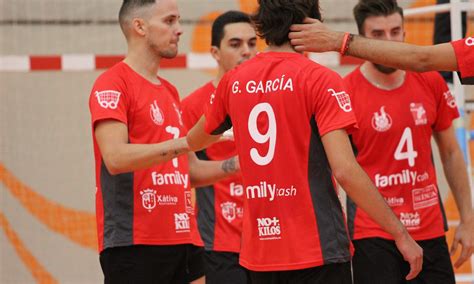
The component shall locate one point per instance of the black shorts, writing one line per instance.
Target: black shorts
(145, 264)
(195, 268)
(224, 267)
(378, 260)
(338, 273)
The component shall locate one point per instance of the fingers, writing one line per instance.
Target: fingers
(310, 21)
(454, 247)
(466, 253)
(295, 35)
(297, 27)
(415, 267)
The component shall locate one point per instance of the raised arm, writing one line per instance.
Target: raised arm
(120, 156)
(456, 175)
(362, 191)
(204, 173)
(198, 139)
(316, 37)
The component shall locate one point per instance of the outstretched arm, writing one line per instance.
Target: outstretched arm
(362, 191)
(315, 36)
(120, 156)
(456, 175)
(204, 173)
(198, 139)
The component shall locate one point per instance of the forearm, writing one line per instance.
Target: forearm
(132, 157)
(403, 55)
(361, 190)
(198, 139)
(204, 173)
(456, 175)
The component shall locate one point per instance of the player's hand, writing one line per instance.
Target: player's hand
(314, 36)
(412, 253)
(464, 236)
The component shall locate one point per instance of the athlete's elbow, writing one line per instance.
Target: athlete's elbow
(113, 165)
(342, 174)
(422, 61)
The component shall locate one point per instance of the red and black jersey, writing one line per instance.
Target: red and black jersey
(219, 207)
(394, 148)
(280, 105)
(464, 50)
(151, 206)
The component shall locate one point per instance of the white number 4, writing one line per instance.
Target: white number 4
(410, 154)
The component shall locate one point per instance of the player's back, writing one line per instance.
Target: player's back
(280, 105)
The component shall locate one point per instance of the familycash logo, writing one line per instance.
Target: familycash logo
(170, 178)
(403, 177)
(269, 191)
(269, 228)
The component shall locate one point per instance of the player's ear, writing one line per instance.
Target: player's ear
(138, 26)
(215, 52)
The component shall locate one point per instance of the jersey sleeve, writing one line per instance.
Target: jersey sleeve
(191, 110)
(447, 109)
(464, 50)
(331, 104)
(108, 99)
(217, 118)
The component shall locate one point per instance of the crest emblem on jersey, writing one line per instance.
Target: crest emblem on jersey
(108, 98)
(156, 114)
(419, 113)
(470, 41)
(229, 211)
(148, 199)
(343, 100)
(381, 121)
(450, 100)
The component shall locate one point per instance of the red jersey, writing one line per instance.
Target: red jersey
(151, 206)
(280, 105)
(394, 148)
(219, 207)
(464, 50)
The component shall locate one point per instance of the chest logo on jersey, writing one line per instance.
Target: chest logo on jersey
(156, 114)
(470, 41)
(450, 100)
(269, 228)
(230, 211)
(148, 199)
(108, 99)
(419, 113)
(381, 121)
(343, 100)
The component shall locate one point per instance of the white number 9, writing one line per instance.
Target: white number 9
(261, 138)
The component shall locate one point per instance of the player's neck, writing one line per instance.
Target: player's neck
(381, 80)
(286, 47)
(220, 73)
(145, 63)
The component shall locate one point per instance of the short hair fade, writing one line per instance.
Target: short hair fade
(128, 7)
(229, 17)
(370, 8)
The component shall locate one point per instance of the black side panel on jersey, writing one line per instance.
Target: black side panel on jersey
(227, 124)
(206, 213)
(333, 236)
(351, 214)
(117, 195)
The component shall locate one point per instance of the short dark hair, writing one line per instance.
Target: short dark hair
(273, 18)
(129, 6)
(370, 8)
(229, 17)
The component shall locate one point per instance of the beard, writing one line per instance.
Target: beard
(384, 69)
(169, 53)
